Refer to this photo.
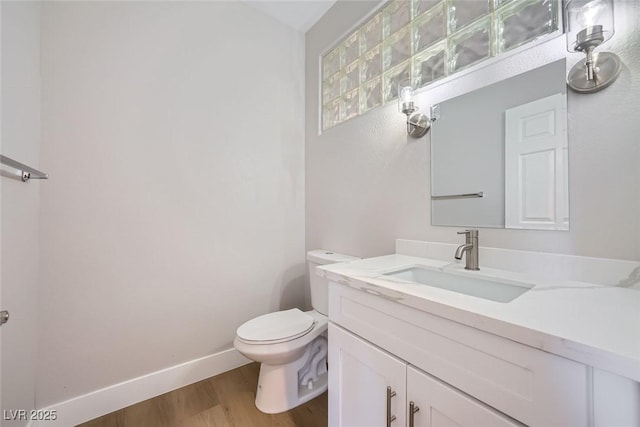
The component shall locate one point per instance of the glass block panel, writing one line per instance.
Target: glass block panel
(424, 40)
(421, 6)
(371, 94)
(463, 12)
(396, 48)
(500, 3)
(430, 65)
(395, 16)
(331, 114)
(350, 49)
(392, 77)
(351, 77)
(470, 45)
(520, 22)
(331, 63)
(349, 105)
(371, 33)
(371, 64)
(429, 29)
(331, 88)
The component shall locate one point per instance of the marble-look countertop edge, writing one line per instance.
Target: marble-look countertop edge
(366, 275)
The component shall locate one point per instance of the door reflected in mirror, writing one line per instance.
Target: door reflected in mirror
(499, 155)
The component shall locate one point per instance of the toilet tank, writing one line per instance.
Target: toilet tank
(319, 285)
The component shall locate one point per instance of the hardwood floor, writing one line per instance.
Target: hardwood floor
(224, 400)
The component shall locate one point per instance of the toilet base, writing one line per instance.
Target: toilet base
(283, 387)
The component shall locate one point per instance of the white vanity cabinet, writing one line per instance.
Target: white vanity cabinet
(563, 354)
(456, 374)
(371, 388)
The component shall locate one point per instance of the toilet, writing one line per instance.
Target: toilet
(291, 345)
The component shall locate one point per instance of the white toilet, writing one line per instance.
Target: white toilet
(291, 345)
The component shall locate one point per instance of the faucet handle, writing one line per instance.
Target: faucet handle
(467, 237)
(470, 234)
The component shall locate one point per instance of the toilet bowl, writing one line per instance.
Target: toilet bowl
(291, 346)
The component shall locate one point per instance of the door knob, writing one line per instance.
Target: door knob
(4, 317)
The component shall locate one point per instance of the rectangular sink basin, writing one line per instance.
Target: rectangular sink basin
(477, 287)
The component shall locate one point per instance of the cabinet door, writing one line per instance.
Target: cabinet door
(359, 374)
(440, 405)
(616, 400)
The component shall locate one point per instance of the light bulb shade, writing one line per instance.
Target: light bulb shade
(406, 97)
(589, 24)
(417, 123)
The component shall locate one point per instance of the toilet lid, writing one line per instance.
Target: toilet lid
(276, 327)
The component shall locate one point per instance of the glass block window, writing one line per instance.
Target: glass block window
(425, 40)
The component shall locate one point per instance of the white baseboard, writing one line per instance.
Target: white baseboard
(100, 402)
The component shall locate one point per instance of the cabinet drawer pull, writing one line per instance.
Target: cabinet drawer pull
(390, 418)
(412, 410)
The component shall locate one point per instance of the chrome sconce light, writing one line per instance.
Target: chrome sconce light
(589, 24)
(417, 123)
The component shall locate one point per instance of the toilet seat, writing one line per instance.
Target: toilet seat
(278, 327)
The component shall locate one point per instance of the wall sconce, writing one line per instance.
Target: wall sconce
(589, 24)
(417, 123)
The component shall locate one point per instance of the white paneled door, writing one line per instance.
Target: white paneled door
(536, 165)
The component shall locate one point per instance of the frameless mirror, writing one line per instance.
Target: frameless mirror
(499, 154)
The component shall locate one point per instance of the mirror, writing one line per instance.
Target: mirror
(499, 154)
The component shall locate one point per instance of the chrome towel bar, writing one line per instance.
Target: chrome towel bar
(458, 196)
(26, 171)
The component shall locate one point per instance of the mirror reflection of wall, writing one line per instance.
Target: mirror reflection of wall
(499, 154)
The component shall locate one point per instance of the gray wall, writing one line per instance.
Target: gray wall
(367, 183)
(175, 208)
(20, 203)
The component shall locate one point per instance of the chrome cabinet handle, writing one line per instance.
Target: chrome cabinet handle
(390, 418)
(412, 410)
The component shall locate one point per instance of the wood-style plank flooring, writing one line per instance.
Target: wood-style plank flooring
(226, 400)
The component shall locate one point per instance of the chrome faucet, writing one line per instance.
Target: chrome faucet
(471, 248)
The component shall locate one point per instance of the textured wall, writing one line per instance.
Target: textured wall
(20, 203)
(367, 183)
(174, 212)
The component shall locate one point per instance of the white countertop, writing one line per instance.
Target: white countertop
(593, 324)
